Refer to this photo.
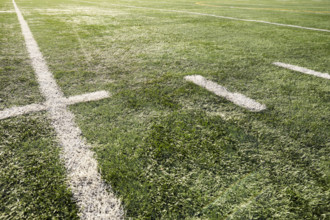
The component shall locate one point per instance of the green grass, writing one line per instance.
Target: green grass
(16, 74)
(168, 148)
(32, 179)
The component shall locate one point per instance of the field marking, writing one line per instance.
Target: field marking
(94, 96)
(7, 11)
(92, 195)
(51, 9)
(302, 70)
(27, 109)
(16, 111)
(268, 9)
(219, 16)
(236, 98)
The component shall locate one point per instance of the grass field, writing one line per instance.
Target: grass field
(169, 148)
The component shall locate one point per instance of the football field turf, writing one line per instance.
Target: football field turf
(211, 109)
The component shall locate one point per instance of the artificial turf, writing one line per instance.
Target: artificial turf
(168, 148)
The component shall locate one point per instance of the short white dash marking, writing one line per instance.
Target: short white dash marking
(94, 197)
(236, 98)
(302, 70)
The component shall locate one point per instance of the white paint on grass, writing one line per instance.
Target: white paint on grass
(237, 98)
(51, 9)
(87, 97)
(224, 17)
(16, 111)
(94, 197)
(7, 11)
(302, 70)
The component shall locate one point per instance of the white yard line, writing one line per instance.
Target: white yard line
(223, 17)
(7, 11)
(236, 98)
(16, 111)
(94, 197)
(302, 70)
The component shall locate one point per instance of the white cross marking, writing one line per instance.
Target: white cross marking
(16, 111)
(94, 197)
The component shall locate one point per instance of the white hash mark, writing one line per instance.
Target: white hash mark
(236, 98)
(302, 70)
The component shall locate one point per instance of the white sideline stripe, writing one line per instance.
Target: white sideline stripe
(7, 11)
(224, 17)
(237, 98)
(302, 70)
(16, 111)
(86, 184)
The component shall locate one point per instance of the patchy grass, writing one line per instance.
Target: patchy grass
(169, 148)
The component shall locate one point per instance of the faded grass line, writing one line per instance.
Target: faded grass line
(244, 205)
(87, 56)
(228, 189)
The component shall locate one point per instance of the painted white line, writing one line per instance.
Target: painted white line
(16, 111)
(223, 17)
(87, 97)
(93, 196)
(7, 11)
(50, 9)
(236, 98)
(302, 70)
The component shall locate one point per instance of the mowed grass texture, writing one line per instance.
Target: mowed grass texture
(32, 177)
(170, 149)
